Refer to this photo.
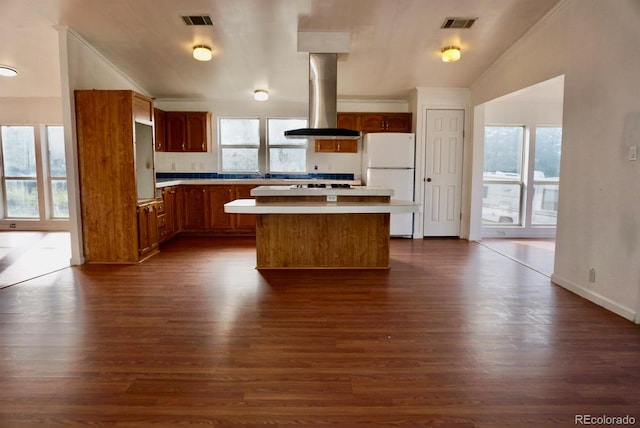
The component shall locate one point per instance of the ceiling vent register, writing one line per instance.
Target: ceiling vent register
(457, 23)
(197, 20)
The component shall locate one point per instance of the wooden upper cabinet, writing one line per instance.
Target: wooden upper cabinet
(398, 122)
(142, 108)
(385, 122)
(196, 132)
(160, 129)
(348, 120)
(337, 146)
(186, 131)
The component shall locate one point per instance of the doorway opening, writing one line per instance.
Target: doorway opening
(521, 162)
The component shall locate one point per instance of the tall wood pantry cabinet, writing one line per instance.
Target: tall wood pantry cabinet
(115, 157)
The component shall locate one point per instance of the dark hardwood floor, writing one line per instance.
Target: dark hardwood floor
(454, 335)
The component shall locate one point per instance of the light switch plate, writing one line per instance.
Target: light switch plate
(633, 153)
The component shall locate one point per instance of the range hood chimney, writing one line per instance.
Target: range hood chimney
(323, 70)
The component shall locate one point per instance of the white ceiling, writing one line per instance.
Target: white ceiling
(395, 44)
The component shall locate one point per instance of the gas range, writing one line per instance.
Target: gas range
(323, 186)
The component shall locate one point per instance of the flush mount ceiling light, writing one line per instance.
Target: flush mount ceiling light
(202, 53)
(450, 54)
(8, 71)
(260, 95)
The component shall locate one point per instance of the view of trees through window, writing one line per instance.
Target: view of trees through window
(19, 172)
(241, 151)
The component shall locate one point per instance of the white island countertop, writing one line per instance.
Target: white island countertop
(249, 206)
(295, 190)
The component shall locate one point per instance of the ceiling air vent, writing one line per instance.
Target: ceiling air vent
(197, 20)
(458, 22)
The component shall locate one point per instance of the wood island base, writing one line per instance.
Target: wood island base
(332, 241)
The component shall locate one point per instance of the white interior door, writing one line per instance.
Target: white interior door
(443, 172)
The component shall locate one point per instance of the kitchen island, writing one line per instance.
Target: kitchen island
(307, 227)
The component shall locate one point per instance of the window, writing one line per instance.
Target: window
(239, 141)
(521, 190)
(34, 173)
(548, 144)
(241, 151)
(19, 177)
(57, 177)
(286, 155)
(502, 178)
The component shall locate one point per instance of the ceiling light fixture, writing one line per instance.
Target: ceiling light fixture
(260, 95)
(202, 53)
(450, 54)
(8, 71)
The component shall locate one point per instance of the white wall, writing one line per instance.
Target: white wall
(599, 213)
(30, 111)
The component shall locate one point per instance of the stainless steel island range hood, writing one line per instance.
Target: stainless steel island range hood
(323, 70)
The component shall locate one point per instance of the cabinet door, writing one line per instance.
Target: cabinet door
(245, 222)
(148, 233)
(142, 108)
(170, 212)
(159, 124)
(153, 231)
(196, 208)
(372, 122)
(144, 245)
(347, 146)
(326, 146)
(349, 120)
(400, 122)
(176, 132)
(219, 196)
(196, 132)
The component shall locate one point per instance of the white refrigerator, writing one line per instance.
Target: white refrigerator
(388, 160)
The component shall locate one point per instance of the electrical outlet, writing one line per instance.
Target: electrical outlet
(633, 153)
(592, 275)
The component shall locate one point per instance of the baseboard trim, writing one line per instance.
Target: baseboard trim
(596, 298)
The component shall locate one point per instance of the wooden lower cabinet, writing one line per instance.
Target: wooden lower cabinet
(203, 209)
(150, 214)
(173, 207)
(220, 195)
(244, 222)
(196, 208)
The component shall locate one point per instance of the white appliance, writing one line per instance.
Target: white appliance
(388, 160)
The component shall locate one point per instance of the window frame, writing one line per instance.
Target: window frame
(49, 178)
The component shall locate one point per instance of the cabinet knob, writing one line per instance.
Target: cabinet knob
(183, 146)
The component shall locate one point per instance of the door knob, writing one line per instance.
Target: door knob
(429, 180)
